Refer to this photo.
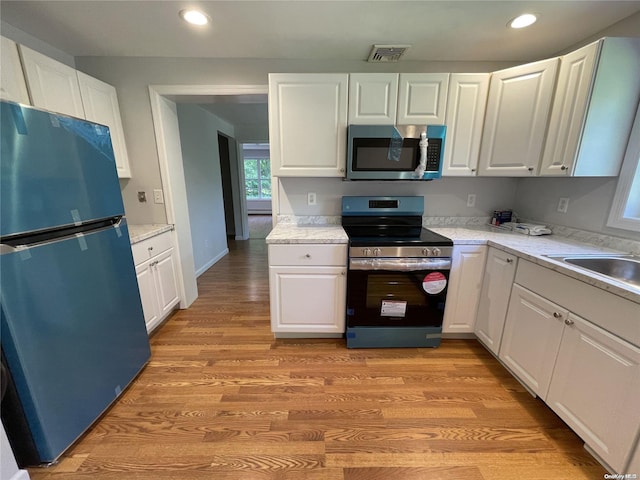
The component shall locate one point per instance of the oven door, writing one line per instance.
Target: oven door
(397, 292)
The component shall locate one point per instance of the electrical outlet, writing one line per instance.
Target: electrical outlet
(471, 200)
(158, 197)
(563, 204)
(311, 198)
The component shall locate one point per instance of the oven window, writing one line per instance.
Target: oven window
(372, 154)
(394, 287)
(383, 298)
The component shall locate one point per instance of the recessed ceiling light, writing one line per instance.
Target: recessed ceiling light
(194, 17)
(523, 20)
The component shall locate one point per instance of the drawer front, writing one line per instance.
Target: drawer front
(308, 254)
(151, 247)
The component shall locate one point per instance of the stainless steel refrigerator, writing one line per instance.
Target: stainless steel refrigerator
(72, 328)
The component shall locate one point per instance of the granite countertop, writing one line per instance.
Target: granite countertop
(140, 232)
(288, 233)
(534, 249)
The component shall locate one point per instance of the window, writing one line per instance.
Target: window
(625, 212)
(257, 171)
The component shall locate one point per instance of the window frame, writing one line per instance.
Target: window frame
(628, 181)
(256, 153)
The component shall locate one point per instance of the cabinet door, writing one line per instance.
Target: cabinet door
(569, 108)
(422, 98)
(148, 293)
(52, 85)
(516, 119)
(373, 98)
(494, 298)
(465, 281)
(100, 102)
(466, 104)
(595, 389)
(308, 299)
(307, 124)
(166, 284)
(12, 83)
(532, 334)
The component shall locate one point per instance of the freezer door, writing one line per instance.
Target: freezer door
(55, 171)
(73, 331)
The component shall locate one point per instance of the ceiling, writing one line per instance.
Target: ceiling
(314, 30)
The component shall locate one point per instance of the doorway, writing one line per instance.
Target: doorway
(164, 113)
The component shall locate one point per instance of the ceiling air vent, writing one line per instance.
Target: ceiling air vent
(387, 53)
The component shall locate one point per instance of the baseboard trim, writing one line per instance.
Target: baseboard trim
(211, 262)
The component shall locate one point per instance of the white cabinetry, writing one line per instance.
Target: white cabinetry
(155, 269)
(52, 85)
(593, 109)
(494, 298)
(307, 284)
(59, 88)
(465, 280)
(12, 83)
(373, 98)
(516, 119)
(100, 102)
(531, 338)
(595, 389)
(466, 105)
(422, 98)
(307, 124)
(400, 99)
(587, 354)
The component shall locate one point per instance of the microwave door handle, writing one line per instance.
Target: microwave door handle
(422, 166)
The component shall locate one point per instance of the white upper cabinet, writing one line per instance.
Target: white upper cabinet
(12, 83)
(52, 85)
(593, 110)
(516, 119)
(307, 124)
(466, 105)
(59, 88)
(100, 102)
(422, 98)
(373, 98)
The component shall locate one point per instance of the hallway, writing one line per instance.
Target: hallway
(221, 399)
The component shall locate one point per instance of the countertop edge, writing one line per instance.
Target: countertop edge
(141, 232)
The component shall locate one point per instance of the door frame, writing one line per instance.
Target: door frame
(165, 125)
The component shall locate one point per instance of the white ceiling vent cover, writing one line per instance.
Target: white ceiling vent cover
(387, 53)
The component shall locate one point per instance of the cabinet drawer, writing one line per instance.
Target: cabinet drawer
(308, 254)
(151, 247)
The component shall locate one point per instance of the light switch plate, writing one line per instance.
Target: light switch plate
(158, 197)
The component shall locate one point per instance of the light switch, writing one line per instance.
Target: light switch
(158, 197)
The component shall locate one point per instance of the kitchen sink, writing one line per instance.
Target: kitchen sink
(623, 268)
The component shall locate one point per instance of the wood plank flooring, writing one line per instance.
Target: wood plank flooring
(221, 399)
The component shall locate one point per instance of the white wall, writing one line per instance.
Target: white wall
(443, 197)
(590, 200)
(201, 162)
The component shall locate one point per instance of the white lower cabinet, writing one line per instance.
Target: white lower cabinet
(595, 389)
(578, 348)
(531, 337)
(307, 284)
(465, 280)
(157, 281)
(494, 297)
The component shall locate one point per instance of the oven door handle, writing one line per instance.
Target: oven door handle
(400, 264)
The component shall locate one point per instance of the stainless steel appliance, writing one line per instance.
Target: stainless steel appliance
(397, 276)
(73, 331)
(395, 152)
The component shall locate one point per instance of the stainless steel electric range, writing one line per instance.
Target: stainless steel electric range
(397, 275)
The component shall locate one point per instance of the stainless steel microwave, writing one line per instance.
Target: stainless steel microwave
(395, 152)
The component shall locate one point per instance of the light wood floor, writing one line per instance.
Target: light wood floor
(221, 399)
